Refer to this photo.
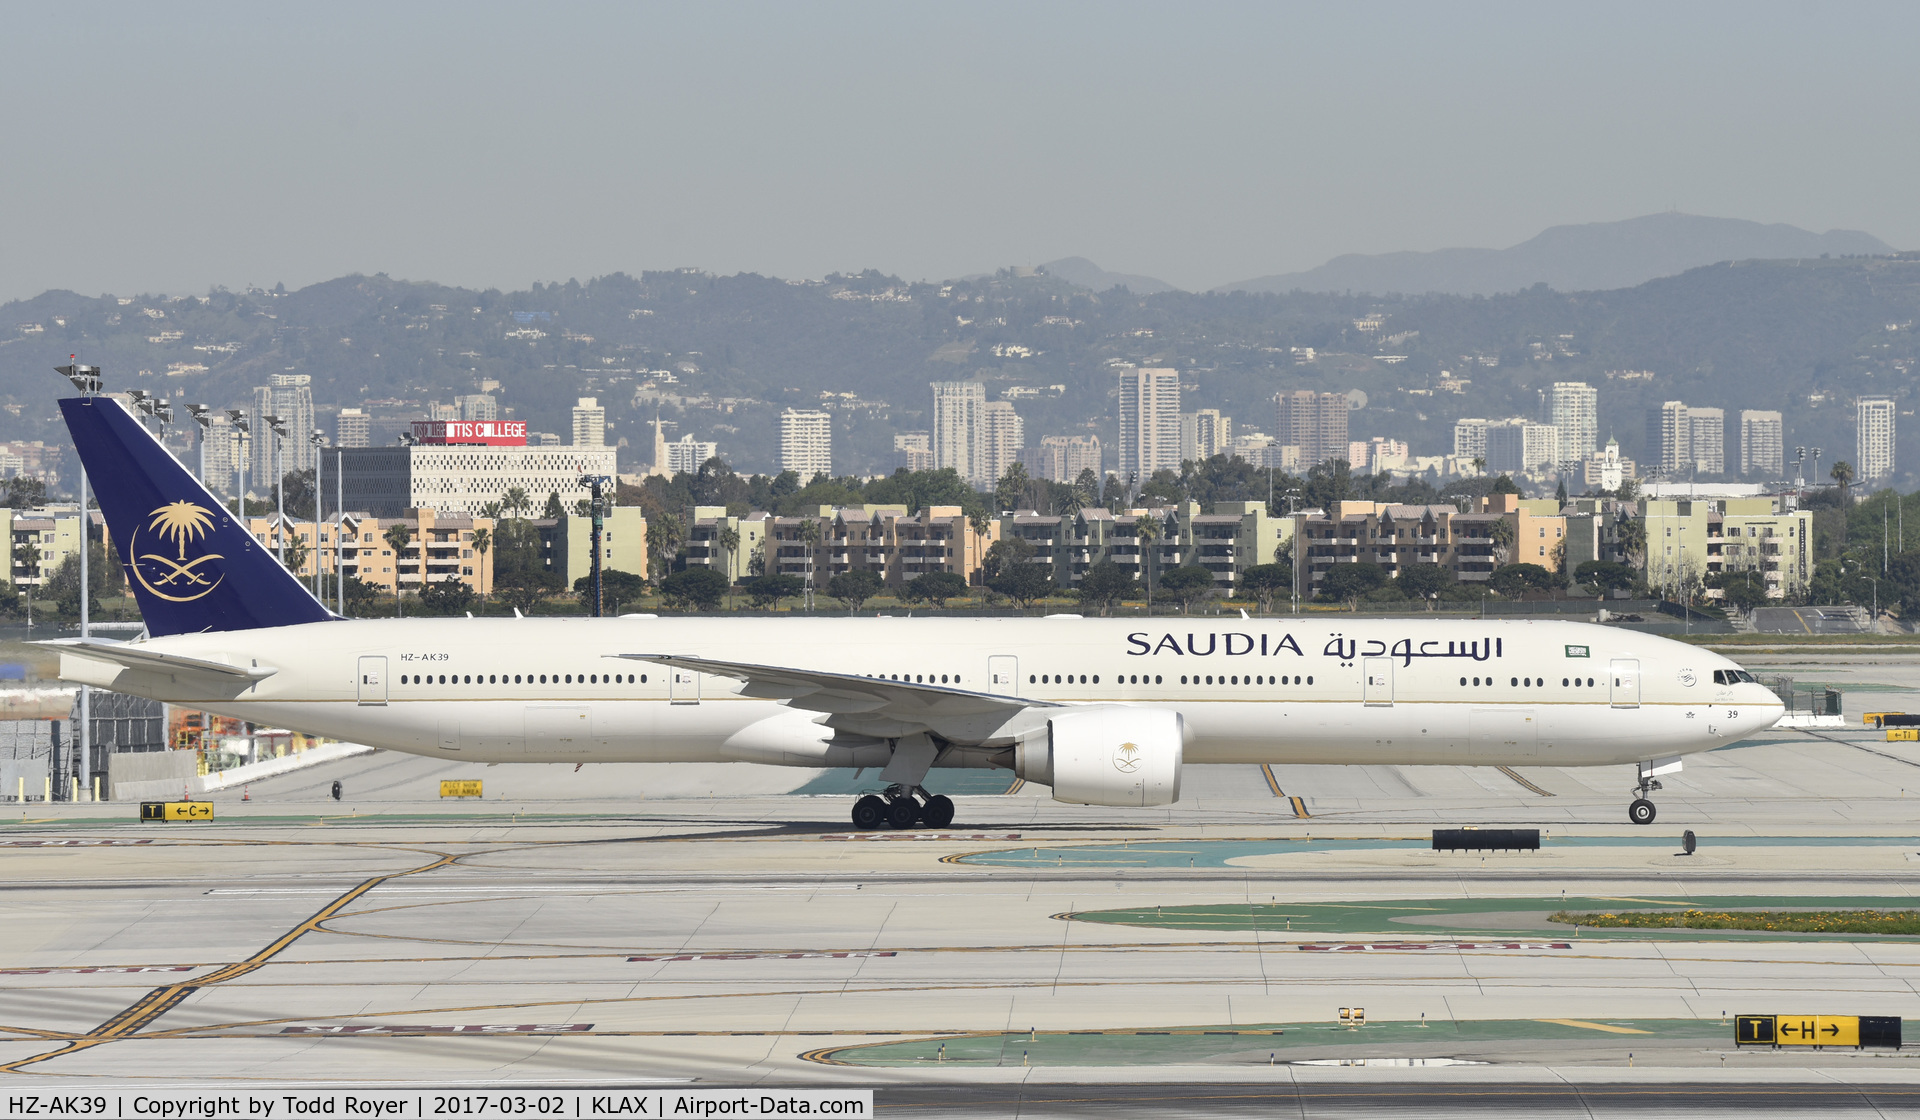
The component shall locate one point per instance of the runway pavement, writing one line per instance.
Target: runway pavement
(723, 925)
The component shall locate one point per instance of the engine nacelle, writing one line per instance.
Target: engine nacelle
(1106, 756)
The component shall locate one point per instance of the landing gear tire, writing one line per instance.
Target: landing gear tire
(869, 813)
(938, 812)
(1641, 811)
(903, 812)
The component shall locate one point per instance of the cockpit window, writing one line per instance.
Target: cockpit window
(1733, 676)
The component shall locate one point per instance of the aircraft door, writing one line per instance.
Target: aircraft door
(1379, 687)
(1003, 675)
(1625, 675)
(683, 686)
(372, 689)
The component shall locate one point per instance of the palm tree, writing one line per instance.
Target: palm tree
(810, 535)
(516, 502)
(482, 541)
(981, 523)
(1842, 473)
(399, 535)
(728, 538)
(1480, 464)
(1148, 528)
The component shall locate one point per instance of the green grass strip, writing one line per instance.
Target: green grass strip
(1780, 921)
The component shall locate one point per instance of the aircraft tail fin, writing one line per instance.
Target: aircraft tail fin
(191, 565)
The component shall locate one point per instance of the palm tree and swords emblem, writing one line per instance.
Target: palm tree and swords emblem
(181, 522)
(1127, 758)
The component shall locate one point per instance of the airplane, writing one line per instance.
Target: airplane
(1103, 711)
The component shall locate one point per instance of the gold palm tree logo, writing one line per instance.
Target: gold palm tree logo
(182, 521)
(1127, 758)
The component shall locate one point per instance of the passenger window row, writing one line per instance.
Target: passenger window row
(1249, 680)
(501, 678)
(915, 678)
(1530, 682)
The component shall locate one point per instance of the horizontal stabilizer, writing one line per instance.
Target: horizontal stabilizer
(134, 657)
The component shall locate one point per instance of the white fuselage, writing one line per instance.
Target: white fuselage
(1315, 689)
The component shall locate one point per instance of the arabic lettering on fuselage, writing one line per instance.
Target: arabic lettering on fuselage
(1236, 643)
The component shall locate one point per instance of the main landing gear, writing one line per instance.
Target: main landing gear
(1641, 810)
(901, 807)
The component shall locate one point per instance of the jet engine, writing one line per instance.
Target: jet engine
(1106, 755)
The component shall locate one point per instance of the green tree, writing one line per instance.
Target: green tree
(616, 587)
(1347, 582)
(1147, 530)
(1104, 586)
(697, 588)
(1518, 579)
(446, 597)
(1263, 582)
(1023, 582)
(1187, 585)
(854, 588)
(1605, 575)
(1424, 581)
(1012, 488)
(298, 493)
(361, 596)
(25, 493)
(554, 509)
(1503, 532)
(935, 588)
(765, 592)
(482, 544)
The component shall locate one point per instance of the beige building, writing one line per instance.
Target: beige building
(464, 478)
(589, 423)
(1315, 422)
(1690, 540)
(1763, 444)
(1149, 415)
(806, 443)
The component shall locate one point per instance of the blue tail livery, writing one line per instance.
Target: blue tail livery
(191, 566)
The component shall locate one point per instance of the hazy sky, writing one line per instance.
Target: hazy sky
(171, 147)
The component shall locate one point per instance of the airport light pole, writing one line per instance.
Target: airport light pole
(319, 439)
(595, 483)
(339, 525)
(87, 380)
(278, 428)
(203, 416)
(239, 421)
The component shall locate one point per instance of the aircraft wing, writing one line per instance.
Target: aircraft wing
(133, 656)
(866, 705)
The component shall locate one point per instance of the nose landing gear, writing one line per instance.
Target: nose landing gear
(900, 807)
(1641, 810)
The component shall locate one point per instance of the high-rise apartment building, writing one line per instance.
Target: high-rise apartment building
(1669, 446)
(1062, 458)
(1763, 444)
(1002, 435)
(438, 411)
(1314, 422)
(1707, 439)
(1873, 443)
(1470, 437)
(1149, 423)
(225, 451)
(352, 427)
(1574, 408)
(478, 406)
(685, 454)
(290, 397)
(806, 443)
(913, 450)
(956, 425)
(589, 423)
(1522, 445)
(1204, 434)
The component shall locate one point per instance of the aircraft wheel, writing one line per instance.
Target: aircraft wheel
(869, 813)
(938, 812)
(1641, 811)
(903, 812)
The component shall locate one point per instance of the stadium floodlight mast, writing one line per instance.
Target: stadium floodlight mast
(87, 380)
(595, 483)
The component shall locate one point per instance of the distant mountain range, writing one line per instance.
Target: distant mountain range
(1598, 256)
(1081, 272)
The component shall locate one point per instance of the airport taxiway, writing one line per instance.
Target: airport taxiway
(723, 924)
